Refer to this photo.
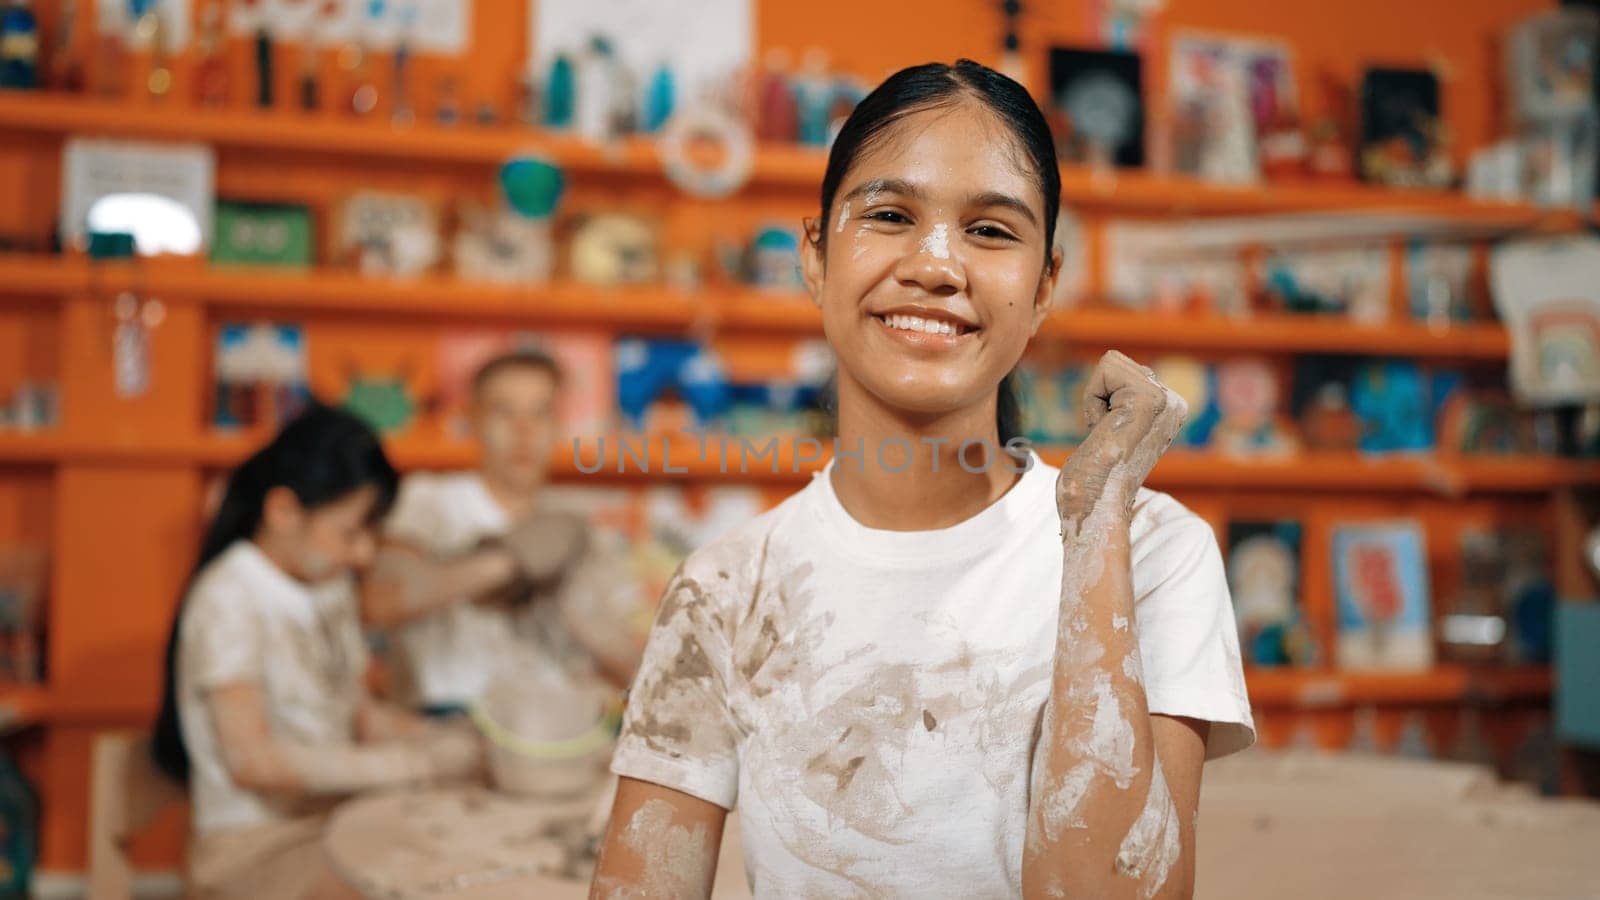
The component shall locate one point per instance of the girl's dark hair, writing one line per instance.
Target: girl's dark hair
(322, 455)
(935, 85)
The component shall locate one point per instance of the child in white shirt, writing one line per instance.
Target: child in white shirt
(266, 715)
(943, 668)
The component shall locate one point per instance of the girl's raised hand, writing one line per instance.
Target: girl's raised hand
(1132, 420)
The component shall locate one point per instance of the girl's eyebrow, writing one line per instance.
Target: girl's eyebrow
(995, 198)
(886, 186)
(907, 189)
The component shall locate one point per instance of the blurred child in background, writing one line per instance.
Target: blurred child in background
(477, 577)
(265, 713)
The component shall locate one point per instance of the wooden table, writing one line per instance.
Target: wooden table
(476, 844)
(1319, 827)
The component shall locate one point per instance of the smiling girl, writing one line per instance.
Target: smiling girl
(942, 669)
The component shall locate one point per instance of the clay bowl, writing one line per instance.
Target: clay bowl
(551, 758)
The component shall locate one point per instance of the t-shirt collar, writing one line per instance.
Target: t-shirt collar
(971, 537)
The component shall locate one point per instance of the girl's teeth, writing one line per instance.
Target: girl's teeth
(919, 324)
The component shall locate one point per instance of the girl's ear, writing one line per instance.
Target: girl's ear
(1045, 296)
(811, 258)
(281, 511)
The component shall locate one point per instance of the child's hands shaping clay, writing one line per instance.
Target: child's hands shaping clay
(545, 543)
(1132, 420)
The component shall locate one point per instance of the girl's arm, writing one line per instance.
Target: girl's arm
(378, 721)
(1114, 789)
(660, 844)
(260, 760)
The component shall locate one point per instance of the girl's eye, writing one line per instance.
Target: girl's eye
(887, 215)
(991, 231)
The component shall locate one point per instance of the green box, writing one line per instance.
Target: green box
(262, 234)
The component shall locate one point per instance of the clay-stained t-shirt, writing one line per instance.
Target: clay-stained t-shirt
(869, 699)
(247, 622)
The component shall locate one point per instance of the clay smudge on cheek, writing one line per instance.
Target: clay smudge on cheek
(844, 216)
(860, 246)
(1153, 844)
(1120, 623)
(677, 863)
(937, 243)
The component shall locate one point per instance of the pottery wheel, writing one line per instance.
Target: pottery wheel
(461, 843)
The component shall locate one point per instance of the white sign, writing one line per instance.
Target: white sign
(429, 26)
(116, 17)
(92, 169)
(1547, 291)
(702, 41)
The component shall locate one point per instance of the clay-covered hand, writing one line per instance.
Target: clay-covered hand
(1132, 420)
(544, 544)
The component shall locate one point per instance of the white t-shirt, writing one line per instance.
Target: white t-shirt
(454, 653)
(247, 621)
(869, 698)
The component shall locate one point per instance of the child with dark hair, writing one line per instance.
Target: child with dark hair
(934, 672)
(474, 567)
(265, 714)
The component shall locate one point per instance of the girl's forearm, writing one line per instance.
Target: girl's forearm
(1101, 822)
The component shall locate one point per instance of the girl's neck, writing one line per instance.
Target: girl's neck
(277, 554)
(934, 490)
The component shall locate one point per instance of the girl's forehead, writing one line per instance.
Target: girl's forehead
(949, 151)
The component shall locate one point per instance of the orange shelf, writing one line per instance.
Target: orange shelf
(276, 291)
(1442, 684)
(25, 705)
(289, 130)
(1281, 333)
(22, 706)
(1136, 191)
(1105, 328)
(720, 461)
(792, 166)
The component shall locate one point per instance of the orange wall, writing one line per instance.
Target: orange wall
(124, 534)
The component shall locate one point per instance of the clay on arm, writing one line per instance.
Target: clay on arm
(661, 844)
(260, 760)
(406, 584)
(1113, 788)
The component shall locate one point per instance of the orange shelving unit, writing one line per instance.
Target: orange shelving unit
(1442, 684)
(1178, 471)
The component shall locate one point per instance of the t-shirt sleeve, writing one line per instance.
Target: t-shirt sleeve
(415, 516)
(1188, 642)
(678, 730)
(221, 638)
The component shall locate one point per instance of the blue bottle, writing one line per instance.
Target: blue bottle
(659, 100)
(560, 94)
(19, 47)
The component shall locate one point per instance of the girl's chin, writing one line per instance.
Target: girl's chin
(917, 398)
